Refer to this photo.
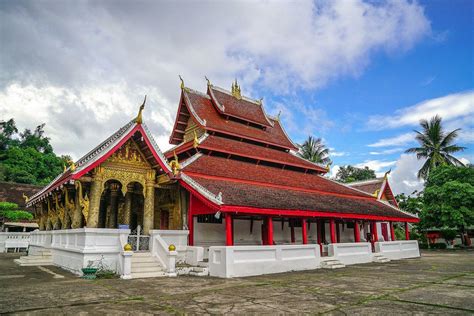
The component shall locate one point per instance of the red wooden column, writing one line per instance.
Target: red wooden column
(375, 234)
(356, 231)
(269, 231)
(191, 222)
(392, 232)
(332, 230)
(304, 231)
(229, 238)
(407, 232)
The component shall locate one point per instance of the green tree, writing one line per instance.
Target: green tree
(436, 146)
(315, 151)
(27, 157)
(10, 212)
(448, 199)
(349, 173)
(410, 203)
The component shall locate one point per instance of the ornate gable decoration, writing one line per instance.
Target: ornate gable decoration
(129, 154)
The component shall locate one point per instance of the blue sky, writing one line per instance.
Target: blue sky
(359, 74)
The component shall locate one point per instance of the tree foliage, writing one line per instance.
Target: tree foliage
(449, 198)
(410, 203)
(27, 157)
(9, 211)
(436, 146)
(314, 150)
(349, 173)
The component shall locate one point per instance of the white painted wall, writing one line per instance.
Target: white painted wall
(400, 249)
(351, 253)
(240, 261)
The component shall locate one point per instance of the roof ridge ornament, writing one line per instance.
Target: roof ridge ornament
(209, 84)
(278, 116)
(182, 82)
(174, 164)
(236, 92)
(385, 176)
(196, 140)
(139, 118)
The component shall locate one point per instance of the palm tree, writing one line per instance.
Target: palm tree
(435, 146)
(315, 151)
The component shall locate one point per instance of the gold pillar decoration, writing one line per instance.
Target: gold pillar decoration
(149, 207)
(81, 207)
(95, 193)
(60, 213)
(69, 209)
(128, 205)
(112, 213)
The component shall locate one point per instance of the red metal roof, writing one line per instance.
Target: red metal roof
(216, 122)
(243, 108)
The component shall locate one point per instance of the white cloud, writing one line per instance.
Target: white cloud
(399, 140)
(337, 154)
(83, 67)
(387, 151)
(403, 178)
(379, 166)
(452, 106)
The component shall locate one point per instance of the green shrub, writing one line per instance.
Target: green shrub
(449, 234)
(438, 245)
(10, 212)
(423, 246)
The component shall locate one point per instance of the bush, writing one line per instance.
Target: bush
(9, 211)
(449, 234)
(438, 245)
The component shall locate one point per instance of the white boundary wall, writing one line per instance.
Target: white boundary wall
(351, 253)
(14, 240)
(178, 238)
(401, 249)
(240, 261)
(73, 249)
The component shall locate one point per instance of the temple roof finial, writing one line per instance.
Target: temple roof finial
(278, 116)
(385, 176)
(208, 81)
(236, 90)
(139, 118)
(182, 82)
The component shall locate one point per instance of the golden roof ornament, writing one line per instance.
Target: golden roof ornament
(236, 90)
(139, 118)
(385, 176)
(25, 198)
(72, 165)
(196, 140)
(64, 168)
(376, 193)
(182, 82)
(174, 164)
(328, 167)
(208, 81)
(278, 116)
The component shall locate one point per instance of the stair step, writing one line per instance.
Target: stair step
(142, 254)
(143, 259)
(146, 269)
(141, 275)
(146, 264)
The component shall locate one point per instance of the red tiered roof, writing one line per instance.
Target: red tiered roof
(243, 108)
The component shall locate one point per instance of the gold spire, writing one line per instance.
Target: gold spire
(139, 118)
(208, 81)
(196, 140)
(385, 177)
(236, 90)
(278, 116)
(182, 82)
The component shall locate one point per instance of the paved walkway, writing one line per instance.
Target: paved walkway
(438, 283)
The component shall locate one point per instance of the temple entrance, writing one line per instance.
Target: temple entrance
(121, 207)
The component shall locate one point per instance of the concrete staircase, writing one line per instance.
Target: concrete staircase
(330, 263)
(202, 269)
(380, 258)
(145, 266)
(43, 258)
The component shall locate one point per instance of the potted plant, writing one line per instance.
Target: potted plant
(89, 272)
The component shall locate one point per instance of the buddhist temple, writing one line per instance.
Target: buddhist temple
(233, 178)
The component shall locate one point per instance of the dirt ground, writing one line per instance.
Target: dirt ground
(441, 282)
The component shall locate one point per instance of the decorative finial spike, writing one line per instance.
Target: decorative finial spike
(139, 118)
(236, 90)
(278, 116)
(385, 177)
(208, 81)
(182, 81)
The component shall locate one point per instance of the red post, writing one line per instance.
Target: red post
(269, 231)
(191, 222)
(356, 231)
(407, 232)
(332, 230)
(292, 235)
(228, 230)
(375, 234)
(392, 232)
(304, 230)
(338, 233)
(320, 232)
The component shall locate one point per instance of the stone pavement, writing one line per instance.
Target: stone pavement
(441, 282)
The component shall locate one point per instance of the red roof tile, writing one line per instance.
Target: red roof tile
(215, 122)
(242, 108)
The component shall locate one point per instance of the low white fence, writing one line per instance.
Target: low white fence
(178, 238)
(239, 261)
(351, 253)
(401, 249)
(74, 249)
(14, 240)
